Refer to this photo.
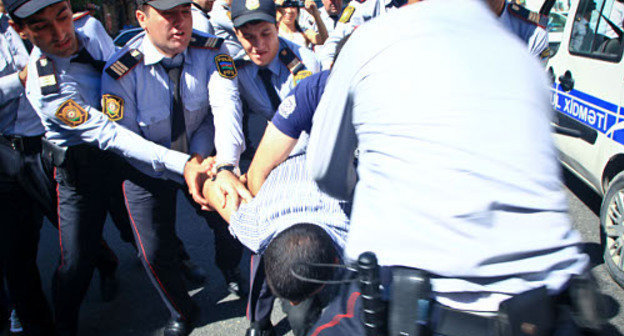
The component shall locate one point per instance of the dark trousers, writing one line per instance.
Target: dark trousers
(151, 205)
(87, 181)
(24, 186)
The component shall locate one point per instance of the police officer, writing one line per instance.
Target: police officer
(193, 107)
(329, 13)
(64, 88)
(201, 18)
(529, 26)
(26, 190)
(273, 68)
(437, 195)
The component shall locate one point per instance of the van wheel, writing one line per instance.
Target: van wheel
(612, 228)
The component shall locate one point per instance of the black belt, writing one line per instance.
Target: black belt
(22, 144)
(460, 323)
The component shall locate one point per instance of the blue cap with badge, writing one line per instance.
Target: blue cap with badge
(25, 8)
(163, 4)
(244, 11)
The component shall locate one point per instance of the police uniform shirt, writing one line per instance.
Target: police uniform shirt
(252, 89)
(534, 36)
(90, 26)
(295, 113)
(17, 117)
(355, 14)
(201, 20)
(212, 106)
(221, 20)
(67, 99)
(447, 183)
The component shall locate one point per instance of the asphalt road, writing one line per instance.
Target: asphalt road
(138, 311)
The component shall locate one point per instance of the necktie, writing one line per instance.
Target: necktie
(84, 57)
(178, 124)
(265, 75)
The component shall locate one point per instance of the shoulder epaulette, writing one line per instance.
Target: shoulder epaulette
(47, 76)
(124, 64)
(79, 15)
(291, 61)
(527, 15)
(205, 41)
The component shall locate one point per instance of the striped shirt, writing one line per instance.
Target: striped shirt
(289, 197)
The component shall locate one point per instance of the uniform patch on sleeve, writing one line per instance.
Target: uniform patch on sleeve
(346, 14)
(225, 66)
(112, 107)
(287, 107)
(72, 114)
(47, 76)
(124, 64)
(301, 75)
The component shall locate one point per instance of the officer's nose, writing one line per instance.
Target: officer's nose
(58, 31)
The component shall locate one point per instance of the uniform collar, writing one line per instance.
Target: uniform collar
(151, 55)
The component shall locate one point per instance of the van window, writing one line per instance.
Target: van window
(597, 31)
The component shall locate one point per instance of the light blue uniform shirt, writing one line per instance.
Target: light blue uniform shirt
(457, 177)
(306, 20)
(81, 83)
(201, 20)
(252, 89)
(362, 12)
(289, 197)
(17, 117)
(534, 36)
(212, 106)
(220, 17)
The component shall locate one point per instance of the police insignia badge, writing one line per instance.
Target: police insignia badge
(301, 75)
(287, 107)
(225, 66)
(346, 14)
(72, 114)
(112, 107)
(252, 4)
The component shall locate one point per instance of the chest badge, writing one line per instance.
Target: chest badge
(112, 107)
(72, 114)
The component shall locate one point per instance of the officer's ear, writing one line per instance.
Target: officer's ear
(141, 15)
(20, 28)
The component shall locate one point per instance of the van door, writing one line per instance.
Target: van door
(587, 74)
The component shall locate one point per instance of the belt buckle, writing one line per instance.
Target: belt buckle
(17, 143)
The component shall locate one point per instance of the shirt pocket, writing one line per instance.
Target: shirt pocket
(196, 107)
(155, 124)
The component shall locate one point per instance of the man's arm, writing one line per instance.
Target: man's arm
(274, 148)
(12, 85)
(224, 203)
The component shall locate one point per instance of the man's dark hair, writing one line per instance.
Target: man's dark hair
(294, 250)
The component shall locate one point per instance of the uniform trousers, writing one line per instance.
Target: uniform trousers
(151, 204)
(87, 182)
(24, 186)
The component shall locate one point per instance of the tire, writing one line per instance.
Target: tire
(612, 228)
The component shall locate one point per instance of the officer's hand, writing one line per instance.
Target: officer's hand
(196, 172)
(310, 6)
(231, 190)
(23, 75)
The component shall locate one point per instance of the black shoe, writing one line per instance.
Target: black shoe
(255, 330)
(179, 327)
(234, 283)
(108, 286)
(193, 272)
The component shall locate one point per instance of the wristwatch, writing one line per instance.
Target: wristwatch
(228, 167)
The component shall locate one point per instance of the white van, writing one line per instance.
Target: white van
(588, 94)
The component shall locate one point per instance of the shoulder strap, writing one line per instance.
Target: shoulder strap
(124, 64)
(47, 76)
(205, 41)
(527, 15)
(290, 60)
(79, 15)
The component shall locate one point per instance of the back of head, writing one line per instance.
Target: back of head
(296, 249)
